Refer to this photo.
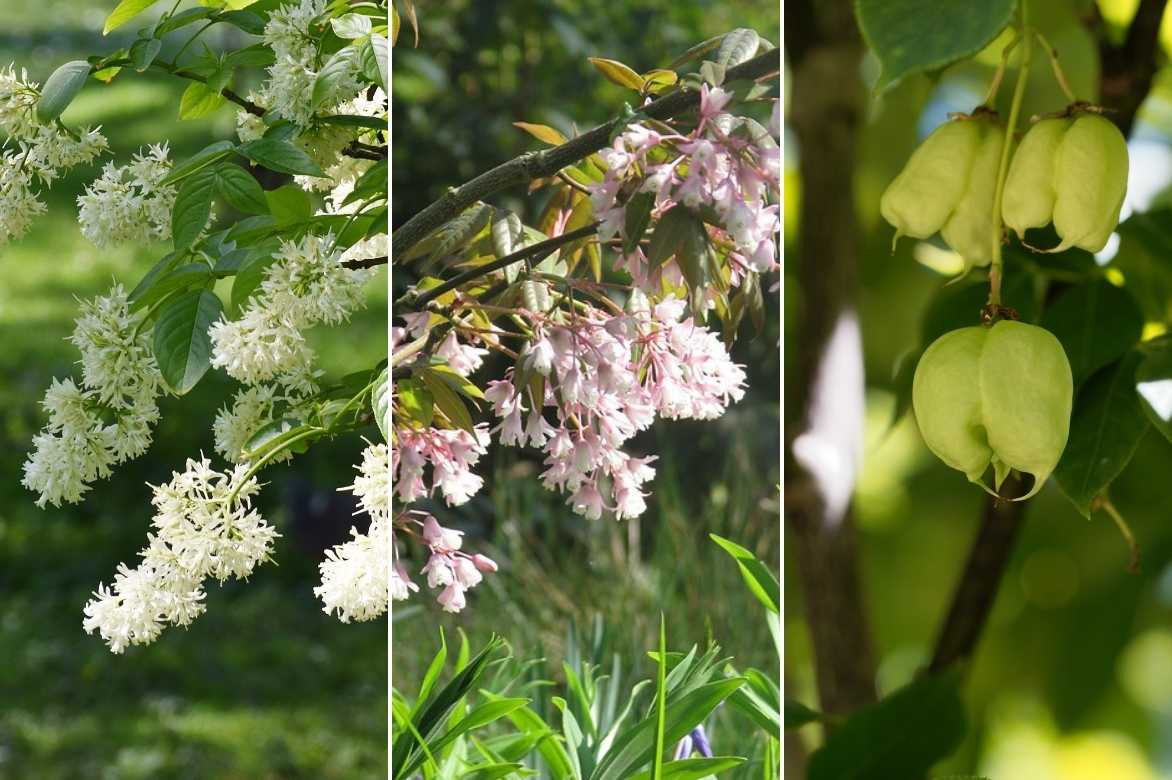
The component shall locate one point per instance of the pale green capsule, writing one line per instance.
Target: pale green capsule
(995, 396)
(946, 397)
(1090, 180)
(1028, 200)
(920, 199)
(969, 229)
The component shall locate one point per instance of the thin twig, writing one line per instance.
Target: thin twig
(366, 262)
(419, 301)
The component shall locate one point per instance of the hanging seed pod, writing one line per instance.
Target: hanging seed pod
(1028, 201)
(969, 230)
(921, 198)
(1090, 180)
(995, 396)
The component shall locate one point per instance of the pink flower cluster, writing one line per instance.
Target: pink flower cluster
(607, 376)
(451, 454)
(725, 163)
(447, 566)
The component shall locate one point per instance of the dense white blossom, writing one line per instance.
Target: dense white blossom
(35, 152)
(355, 575)
(108, 419)
(306, 285)
(129, 203)
(204, 527)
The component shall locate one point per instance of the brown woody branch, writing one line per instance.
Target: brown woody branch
(535, 165)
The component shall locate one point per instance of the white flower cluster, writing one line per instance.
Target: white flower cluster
(306, 285)
(204, 527)
(36, 152)
(108, 419)
(289, 88)
(128, 203)
(355, 575)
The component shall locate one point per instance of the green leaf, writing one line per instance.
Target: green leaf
(447, 401)
(248, 21)
(737, 46)
(670, 234)
(634, 747)
(902, 736)
(61, 88)
(183, 348)
(508, 236)
(183, 18)
(336, 71)
(289, 204)
(280, 156)
(460, 231)
(617, 73)
(636, 219)
(660, 702)
(124, 12)
(351, 26)
(199, 100)
(209, 155)
(416, 402)
(370, 185)
(1105, 428)
(756, 574)
(273, 436)
(183, 277)
(380, 402)
(193, 207)
(143, 52)
(917, 36)
(1097, 323)
(798, 714)
(249, 277)
(374, 60)
(694, 768)
(239, 188)
(1153, 382)
(165, 264)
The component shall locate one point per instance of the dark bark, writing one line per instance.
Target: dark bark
(826, 112)
(1128, 70)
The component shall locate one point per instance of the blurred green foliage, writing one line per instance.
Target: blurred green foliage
(264, 684)
(1071, 678)
(479, 67)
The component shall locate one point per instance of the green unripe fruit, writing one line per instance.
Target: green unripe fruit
(1028, 201)
(969, 230)
(923, 196)
(1072, 172)
(998, 396)
(1091, 180)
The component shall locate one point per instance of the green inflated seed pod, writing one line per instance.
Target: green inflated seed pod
(1026, 396)
(946, 397)
(969, 229)
(995, 396)
(920, 199)
(1090, 180)
(1028, 200)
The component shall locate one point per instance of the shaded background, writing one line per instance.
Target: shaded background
(1073, 676)
(481, 66)
(264, 685)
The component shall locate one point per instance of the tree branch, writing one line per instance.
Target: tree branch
(1128, 70)
(175, 70)
(416, 300)
(977, 588)
(826, 113)
(534, 165)
(366, 262)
